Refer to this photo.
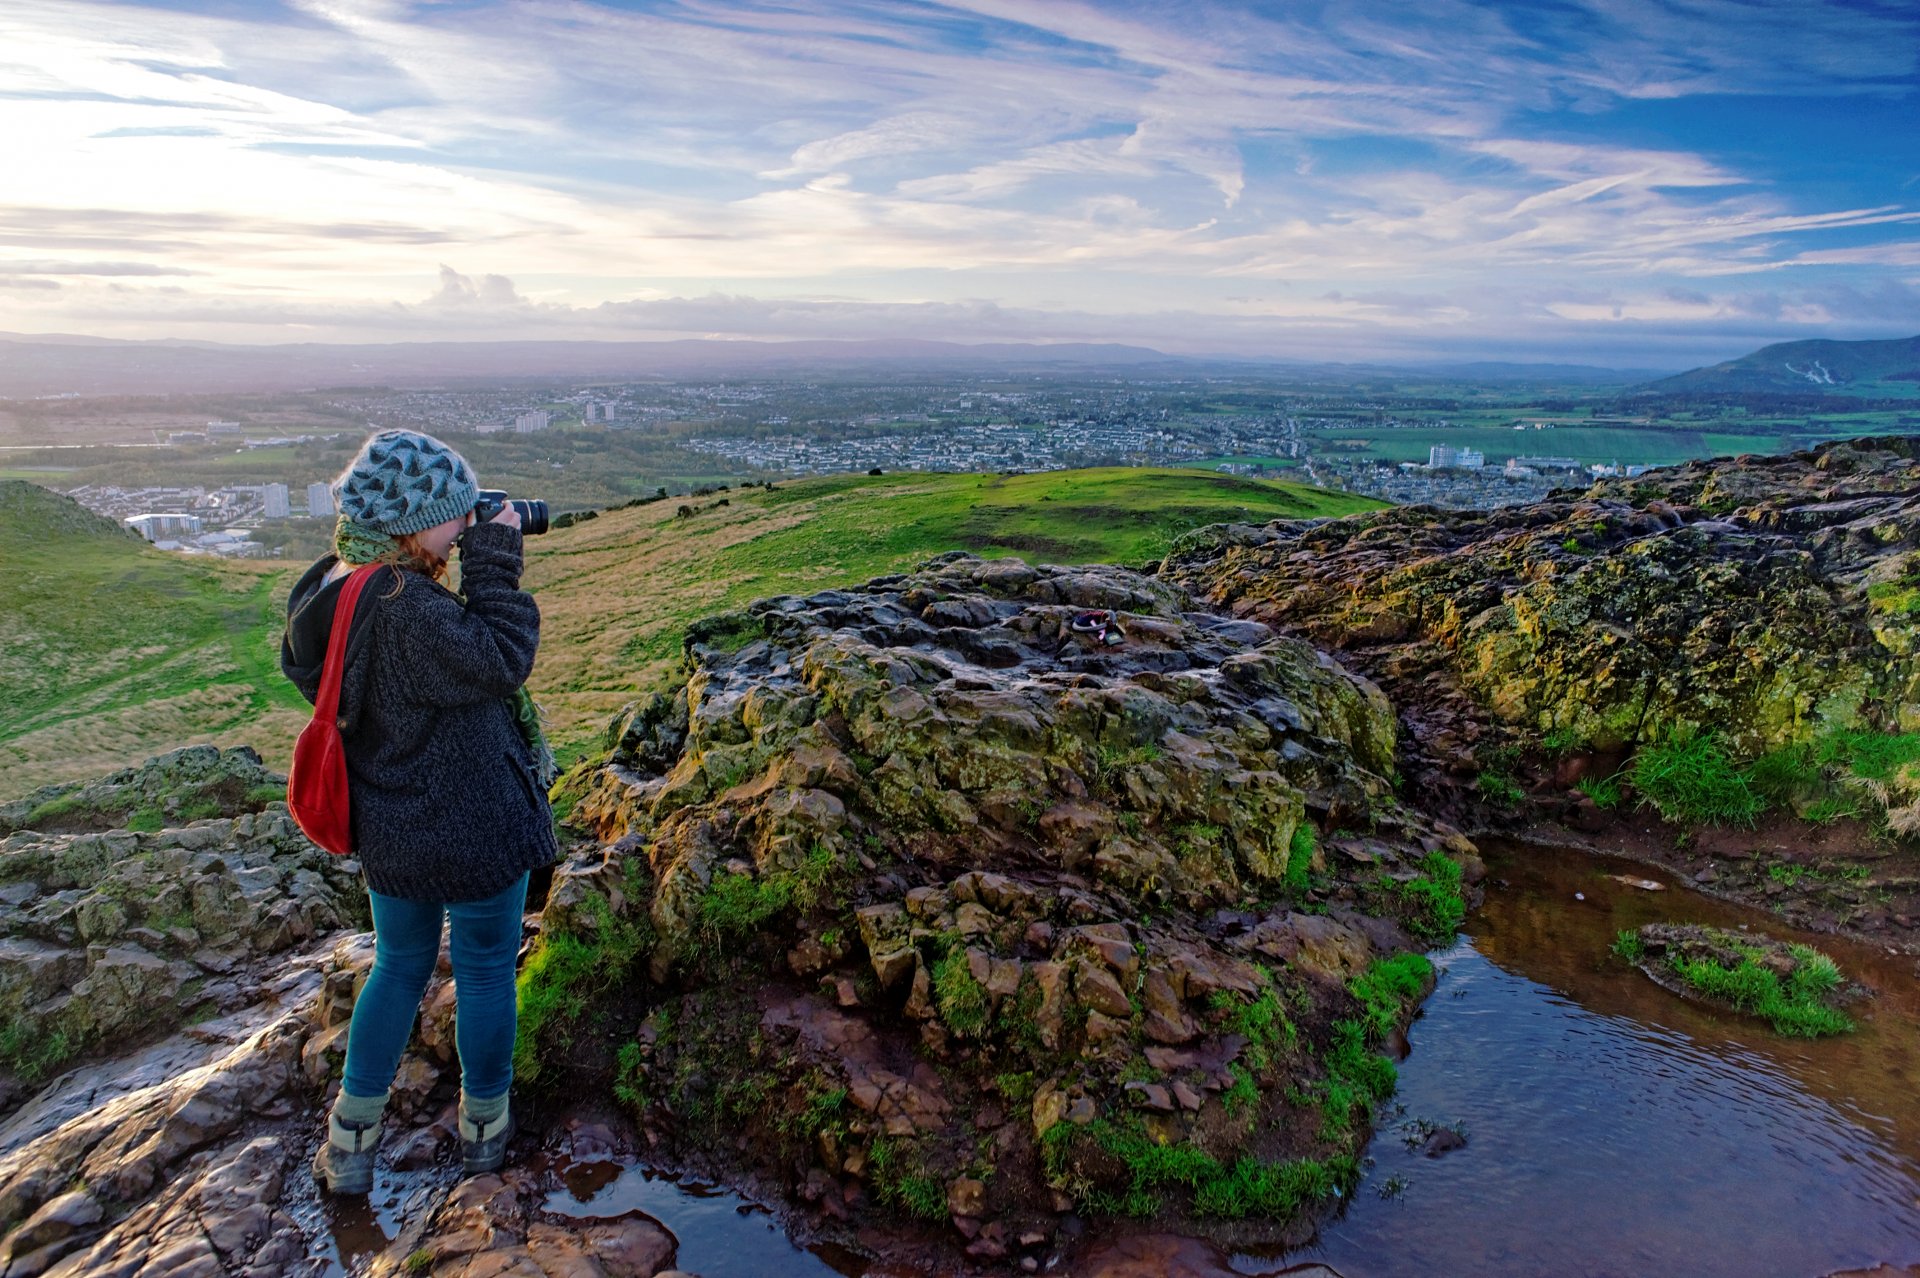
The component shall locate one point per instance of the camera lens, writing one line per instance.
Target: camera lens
(532, 510)
(533, 515)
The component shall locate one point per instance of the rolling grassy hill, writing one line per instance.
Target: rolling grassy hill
(111, 650)
(114, 651)
(1884, 368)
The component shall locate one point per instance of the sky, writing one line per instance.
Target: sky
(1627, 183)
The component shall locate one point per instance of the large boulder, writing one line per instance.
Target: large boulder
(930, 882)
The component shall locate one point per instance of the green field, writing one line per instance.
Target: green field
(111, 651)
(616, 592)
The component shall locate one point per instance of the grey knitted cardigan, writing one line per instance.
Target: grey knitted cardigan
(445, 805)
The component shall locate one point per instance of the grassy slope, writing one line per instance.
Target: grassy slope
(111, 651)
(617, 591)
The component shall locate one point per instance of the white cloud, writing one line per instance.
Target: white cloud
(284, 164)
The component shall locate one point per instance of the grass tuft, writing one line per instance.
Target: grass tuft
(1689, 777)
(1792, 1006)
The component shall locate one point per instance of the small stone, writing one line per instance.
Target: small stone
(966, 1197)
(1152, 1096)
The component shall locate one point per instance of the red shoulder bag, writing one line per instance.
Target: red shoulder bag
(317, 781)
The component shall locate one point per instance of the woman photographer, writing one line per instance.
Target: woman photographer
(446, 773)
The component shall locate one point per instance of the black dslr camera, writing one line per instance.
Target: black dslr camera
(533, 511)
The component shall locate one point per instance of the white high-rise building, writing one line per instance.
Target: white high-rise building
(276, 500)
(156, 527)
(319, 501)
(1440, 456)
(527, 423)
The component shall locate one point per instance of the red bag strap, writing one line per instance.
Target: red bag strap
(327, 705)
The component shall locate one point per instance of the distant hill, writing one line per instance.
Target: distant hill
(1883, 368)
(111, 651)
(62, 365)
(65, 364)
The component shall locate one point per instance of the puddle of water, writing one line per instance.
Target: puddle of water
(346, 1233)
(1617, 1130)
(721, 1234)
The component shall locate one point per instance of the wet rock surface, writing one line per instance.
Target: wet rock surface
(109, 938)
(951, 913)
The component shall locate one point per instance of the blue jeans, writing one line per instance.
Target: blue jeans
(406, 944)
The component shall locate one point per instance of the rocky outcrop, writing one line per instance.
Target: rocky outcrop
(953, 911)
(189, 1157)
(176, 788)
(1761, 597)
(107, 938)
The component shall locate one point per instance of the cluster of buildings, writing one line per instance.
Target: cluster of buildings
(1460, 479)
(495, 410)
(199, 520)
(999, 446)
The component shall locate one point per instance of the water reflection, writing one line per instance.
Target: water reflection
(721, 1234)
(1617, 1130)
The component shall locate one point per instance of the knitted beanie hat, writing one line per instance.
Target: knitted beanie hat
(404, 482)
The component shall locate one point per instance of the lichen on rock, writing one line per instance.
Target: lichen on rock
(927, 873)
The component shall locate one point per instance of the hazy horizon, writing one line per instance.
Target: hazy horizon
(1621, 183)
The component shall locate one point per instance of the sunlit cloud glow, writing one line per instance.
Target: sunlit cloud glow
(1585, 181)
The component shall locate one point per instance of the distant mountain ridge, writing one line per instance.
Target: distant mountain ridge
(1879, 368)
(48, 364)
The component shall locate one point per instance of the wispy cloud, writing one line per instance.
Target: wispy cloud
(1382, 170)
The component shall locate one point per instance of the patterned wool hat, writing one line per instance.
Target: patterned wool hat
(404, 482)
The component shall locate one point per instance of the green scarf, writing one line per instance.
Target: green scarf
(357, 544)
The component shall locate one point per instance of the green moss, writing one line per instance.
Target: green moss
(1628, 947)
(1356, 1075)
(902, 1182)
(1247, 1187)
(1017, 1086)
(146, 821)
(1433, 903)
(736, 906)
(65, 806)
(1277, 1191)
(961, 999)
(629, 1078)
(564, 971)
(1689, 777)
(1263, 1022)
(1895, 598)
(1387, 986)
(32, 1053)
(1300, 850)
(1872, 756)
(1244, 1094)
